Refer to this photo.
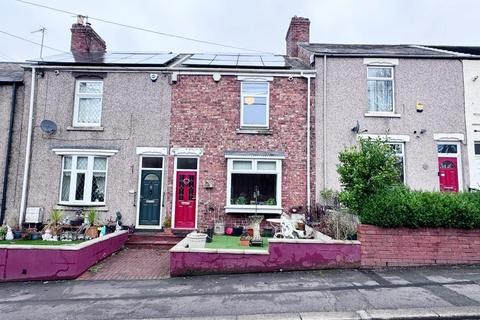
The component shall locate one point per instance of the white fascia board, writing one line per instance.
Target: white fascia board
(152, 151)
(86, 152)
(385, 137)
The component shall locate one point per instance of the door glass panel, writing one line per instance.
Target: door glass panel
(447, 165)
(447, 148)
(181, 186)
(190, 187)
(242, 165)
(187, 163)
(151, 177)
(152, 162)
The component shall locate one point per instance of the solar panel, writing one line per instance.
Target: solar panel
(111, 58)
(236, 60)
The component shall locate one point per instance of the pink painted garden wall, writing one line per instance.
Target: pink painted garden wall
(23, 262)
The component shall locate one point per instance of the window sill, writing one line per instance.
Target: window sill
(76, 206)
(84, 128)
(382, 115)
(247, 209)
(247, 130)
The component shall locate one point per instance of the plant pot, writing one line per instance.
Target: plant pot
(92, 232)
(244, 242)
(268, 232)
(209, 235)
(197, 240)
(219, 227)
(36, 236)
(229, 231)
(17, 234)
(250, 232)
(237, 231)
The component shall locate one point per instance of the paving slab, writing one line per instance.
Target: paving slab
(330, 316)
(472, 312)
(397, 314)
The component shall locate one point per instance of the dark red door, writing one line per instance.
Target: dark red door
(185, 202)
(448, 174)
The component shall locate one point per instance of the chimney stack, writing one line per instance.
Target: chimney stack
(85, 39)
(298, 32)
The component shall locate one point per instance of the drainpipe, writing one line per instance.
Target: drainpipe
(27, 151)
(325, 121)
(7, 156)
(308, 77)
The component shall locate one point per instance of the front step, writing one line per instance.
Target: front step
(157, 240)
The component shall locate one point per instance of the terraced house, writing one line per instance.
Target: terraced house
(189, 136)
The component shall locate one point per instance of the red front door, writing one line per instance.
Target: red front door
(185, 202)
(448, 174)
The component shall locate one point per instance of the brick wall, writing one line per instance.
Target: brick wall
(206, 114)
(298, 32)
(415, 247)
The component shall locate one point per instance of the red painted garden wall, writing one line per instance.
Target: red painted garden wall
(416, 247)
(206, 114)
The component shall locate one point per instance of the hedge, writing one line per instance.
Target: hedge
(402, 207)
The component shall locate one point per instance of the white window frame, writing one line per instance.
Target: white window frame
(392, 78)
(87, 189)
(250, 208)
(402, 155)
(79, 95)
(267, 105)
(140, 171)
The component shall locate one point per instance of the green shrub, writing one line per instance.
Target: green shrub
(366, 170)
(402, 207)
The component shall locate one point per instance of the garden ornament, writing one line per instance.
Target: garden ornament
(9, 235)
(103, 231)
(47, 235)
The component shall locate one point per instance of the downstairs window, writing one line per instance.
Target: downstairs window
(254, 184)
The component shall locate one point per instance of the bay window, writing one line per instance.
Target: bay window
(83, 180)
(254, 185)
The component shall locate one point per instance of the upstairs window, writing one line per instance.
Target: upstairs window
(254, 105)
(88, 103)
(380, 89)
(83, 180)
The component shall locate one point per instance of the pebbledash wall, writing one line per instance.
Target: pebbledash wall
(437, 83)
(206, 115)
(135, 113)
(398, 247)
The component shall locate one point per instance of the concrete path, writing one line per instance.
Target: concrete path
(131, 264)
(422, 293)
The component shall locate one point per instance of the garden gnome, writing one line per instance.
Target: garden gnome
(9, 235)
(119, 221)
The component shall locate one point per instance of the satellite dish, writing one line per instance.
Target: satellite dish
(48, 126)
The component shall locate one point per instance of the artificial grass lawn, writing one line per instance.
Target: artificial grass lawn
(39, 242)
(231, 242)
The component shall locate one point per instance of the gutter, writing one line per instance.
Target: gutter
(309, 200)
(8, 156)
(28, 150)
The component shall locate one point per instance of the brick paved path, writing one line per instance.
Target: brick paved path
(131, 264)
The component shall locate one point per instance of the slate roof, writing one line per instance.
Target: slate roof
(11, 72)
(380, 50)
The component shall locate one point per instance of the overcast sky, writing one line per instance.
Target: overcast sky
(254, 24)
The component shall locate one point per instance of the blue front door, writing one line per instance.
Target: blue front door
(150, 194)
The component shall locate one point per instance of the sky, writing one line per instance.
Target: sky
(253, 24)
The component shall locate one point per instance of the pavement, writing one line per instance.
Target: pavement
(413, 293)
(131, 264)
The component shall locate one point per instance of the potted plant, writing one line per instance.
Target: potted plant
(52, 229)
(3, 232)
(92, 231)
(167, 222)
(245, 239)
(237, 231)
